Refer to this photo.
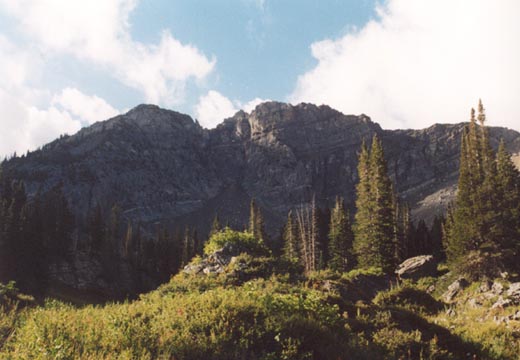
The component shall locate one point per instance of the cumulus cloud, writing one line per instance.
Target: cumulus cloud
(214, 107)
(87, 108)
(25, 127)
(422, 62)
(251, 105)
(98, 31)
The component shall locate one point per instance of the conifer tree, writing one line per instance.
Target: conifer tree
(508, 199)
(375, 219)
(363, 246)
(215, 226)
(96, 229)
(128, 241)
(114, 230)
(403, 232)
(186, 248)
(482, 218)
(256, 222)
(340, 238)
(291, 251)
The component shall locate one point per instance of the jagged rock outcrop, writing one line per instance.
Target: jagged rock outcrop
(216, 262)
(161, 166)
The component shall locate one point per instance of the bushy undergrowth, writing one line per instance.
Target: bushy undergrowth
(323, 316)
(259, 320)
(11, 303)
(409, 297)
(241, 239)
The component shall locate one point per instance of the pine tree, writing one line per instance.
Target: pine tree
(96, 230)
(340, 238)
(508, 199)
(114, 230)
(186, 248)
(256, 222)
(484, 218)
(375, 224)
(363, 245)
(215, 226)
(128, 241)
(291, 251)
(313, 237)
(403, 232)
(436, 237)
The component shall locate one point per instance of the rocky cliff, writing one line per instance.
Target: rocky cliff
(161, 166)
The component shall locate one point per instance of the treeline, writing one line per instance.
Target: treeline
(39, 232)
(32, 233)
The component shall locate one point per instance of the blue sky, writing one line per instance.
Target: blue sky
(406, 63)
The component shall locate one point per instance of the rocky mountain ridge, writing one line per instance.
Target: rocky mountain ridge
(162, 167)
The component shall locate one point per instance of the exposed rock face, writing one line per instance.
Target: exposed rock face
(417, 267)
(160, 166)
(216, 262)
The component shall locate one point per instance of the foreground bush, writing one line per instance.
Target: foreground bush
(259, 320)
(243, 240)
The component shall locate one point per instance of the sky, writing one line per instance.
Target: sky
(65, 64)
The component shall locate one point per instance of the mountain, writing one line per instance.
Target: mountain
(162, 167)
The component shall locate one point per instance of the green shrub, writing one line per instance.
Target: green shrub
(243, 240)
(410, 298)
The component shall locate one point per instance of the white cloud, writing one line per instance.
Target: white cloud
(214, 107)
(25, 127)
(251, 105)
(87, 108)
(98, 31)
(423, 62)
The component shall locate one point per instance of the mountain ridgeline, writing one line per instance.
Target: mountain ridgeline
(164, 173)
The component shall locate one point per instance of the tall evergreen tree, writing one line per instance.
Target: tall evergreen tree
(114, 231)
(364, 247)
(375, 224)
(96, 229)
(256, 222)
(215, 226)
(482, 218)
(340, 238)
(291, 250)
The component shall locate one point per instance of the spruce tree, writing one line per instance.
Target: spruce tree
(375, 219)
(215, 226)
(484, 218)
(340, 238)
(291, 251)
(508, 199)
(363, 244)
(256, 222)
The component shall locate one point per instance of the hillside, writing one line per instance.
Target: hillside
(257, 308)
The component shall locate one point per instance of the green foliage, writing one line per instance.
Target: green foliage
(484, 218)
(409, 297)
(243, 240)
(375, 219)
(291, 243)
(340, 239)
(260, 320)
(256, 222)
